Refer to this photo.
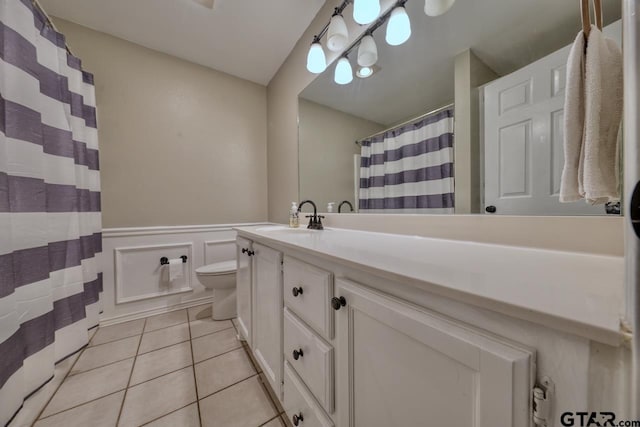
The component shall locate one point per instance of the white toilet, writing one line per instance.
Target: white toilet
(221, 277)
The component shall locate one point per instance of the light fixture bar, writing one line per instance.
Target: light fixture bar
(379, 22)
(324, 30)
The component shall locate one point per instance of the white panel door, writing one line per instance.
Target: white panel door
(267, 314)
(243, 288)
(523, 139)
(399, 365)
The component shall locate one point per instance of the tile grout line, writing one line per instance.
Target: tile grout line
(124, 398)
(167, 414)
(264, 424)
(270, 395)
(230, 385)
(193, 370)
(38, 417)
(98, 367)
(81, 404)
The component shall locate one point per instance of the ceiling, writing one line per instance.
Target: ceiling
(418, 76)
(246, 38)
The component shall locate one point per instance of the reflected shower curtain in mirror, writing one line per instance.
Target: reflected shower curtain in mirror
(409, 169)
(50, 220)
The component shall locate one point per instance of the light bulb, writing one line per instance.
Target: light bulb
(437, 7)
(398, 27)
(367, 52)
(364, 72)
(344, 73)
(316, 61)
(366, 11)
(337, 35)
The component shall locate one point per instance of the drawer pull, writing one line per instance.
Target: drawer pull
(297, 419)
(336, 303)
(297, 354)
(297, 291)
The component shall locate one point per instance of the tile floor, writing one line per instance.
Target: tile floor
(179, 369)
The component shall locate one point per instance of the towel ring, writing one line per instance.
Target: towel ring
(586, 16)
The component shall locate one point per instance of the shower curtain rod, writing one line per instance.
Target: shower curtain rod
(415, 119)
(50, 22)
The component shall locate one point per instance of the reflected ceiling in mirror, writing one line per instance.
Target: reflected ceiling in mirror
(473, 44)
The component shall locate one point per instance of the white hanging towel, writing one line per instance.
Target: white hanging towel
(574, 108)
(603, 113)
(592, 115)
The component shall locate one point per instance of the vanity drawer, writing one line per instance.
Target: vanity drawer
(314, 361)
(308, 291)
(299, 402)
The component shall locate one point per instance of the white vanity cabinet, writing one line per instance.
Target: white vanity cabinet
(401, 365)
(267, 313)
(427, 341)
(244, 253)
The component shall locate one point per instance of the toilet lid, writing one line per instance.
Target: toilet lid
(217, 268)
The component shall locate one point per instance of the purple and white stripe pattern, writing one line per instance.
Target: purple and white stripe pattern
(50, 216)
(409, 169)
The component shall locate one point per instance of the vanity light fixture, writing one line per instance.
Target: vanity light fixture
(344, 73)
(399, 26)
(316, 60)
(367, 51)
(366, 11)
(437, 7)
(337, 35)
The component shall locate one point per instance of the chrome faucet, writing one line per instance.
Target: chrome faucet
(342, 203)
(315, 221)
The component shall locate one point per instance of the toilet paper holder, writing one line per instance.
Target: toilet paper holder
(164, 260)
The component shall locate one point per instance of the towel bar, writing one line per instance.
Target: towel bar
(164, 260)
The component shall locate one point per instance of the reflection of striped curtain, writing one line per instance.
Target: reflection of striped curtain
(409, 169)
(50, 226)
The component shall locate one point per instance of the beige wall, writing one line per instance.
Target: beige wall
(180, 143)
(326, 149)
(470, 73)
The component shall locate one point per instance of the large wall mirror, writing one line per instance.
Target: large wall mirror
(464, 117)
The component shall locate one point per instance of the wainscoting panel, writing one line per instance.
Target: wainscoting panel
(134, 282)
(141, 265)
(219, 250)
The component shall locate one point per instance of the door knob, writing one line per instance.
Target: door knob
(297, 354)
(490, 209)
(297, 419)
(336, 303)
(297, 291)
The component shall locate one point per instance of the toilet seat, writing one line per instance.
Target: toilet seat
(217, 268)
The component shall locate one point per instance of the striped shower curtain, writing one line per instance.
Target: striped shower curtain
(50, 221)
(409, 169)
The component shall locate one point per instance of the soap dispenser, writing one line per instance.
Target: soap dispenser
(330, 207)
(294, 219)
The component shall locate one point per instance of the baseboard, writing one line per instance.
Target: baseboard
(152, 312)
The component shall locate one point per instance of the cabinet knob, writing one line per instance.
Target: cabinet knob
(336, 303)
(245, 250)
(297, 354)
(297, 291)
(490, 209)
(297, 419)
(250, 253)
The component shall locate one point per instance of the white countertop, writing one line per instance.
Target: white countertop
(576, 292)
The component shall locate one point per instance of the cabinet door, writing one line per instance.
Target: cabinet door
(267, 313)
(243, 288)
(400, 365)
